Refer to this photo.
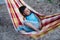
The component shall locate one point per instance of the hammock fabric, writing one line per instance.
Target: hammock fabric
(17, 18)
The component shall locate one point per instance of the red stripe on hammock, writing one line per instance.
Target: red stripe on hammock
(17, 16)
(20, 2)
(9, 5)
(17, 6)
(16, 3)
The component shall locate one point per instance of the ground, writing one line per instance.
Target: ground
(7, 31)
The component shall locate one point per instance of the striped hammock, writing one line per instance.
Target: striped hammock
(17, 18)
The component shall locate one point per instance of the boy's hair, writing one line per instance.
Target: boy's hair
(21, 9)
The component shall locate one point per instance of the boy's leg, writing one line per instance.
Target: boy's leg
(49, 26)
(49, 20)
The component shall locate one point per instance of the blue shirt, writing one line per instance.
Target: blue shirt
(33, 19)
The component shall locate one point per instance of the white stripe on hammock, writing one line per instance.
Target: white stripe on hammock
(18, 3)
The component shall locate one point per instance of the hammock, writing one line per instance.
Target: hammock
(17, 18)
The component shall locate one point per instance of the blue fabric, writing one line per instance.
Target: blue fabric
(32, 18)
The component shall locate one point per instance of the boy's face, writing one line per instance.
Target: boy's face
(26, 11)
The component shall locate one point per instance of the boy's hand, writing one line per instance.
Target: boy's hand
(32, 26)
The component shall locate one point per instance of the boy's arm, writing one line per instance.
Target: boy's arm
(31, 26)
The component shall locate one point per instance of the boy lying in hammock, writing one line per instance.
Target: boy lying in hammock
(31, 21)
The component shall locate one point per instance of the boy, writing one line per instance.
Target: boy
(31, 21)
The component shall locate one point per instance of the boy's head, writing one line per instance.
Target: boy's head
(24, 11)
